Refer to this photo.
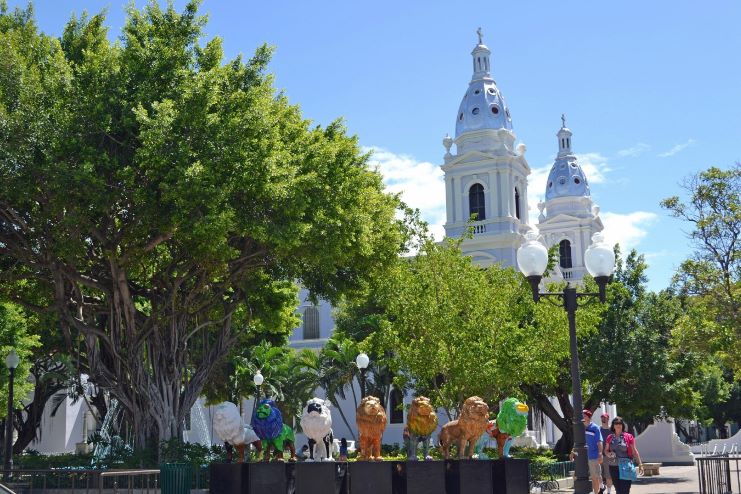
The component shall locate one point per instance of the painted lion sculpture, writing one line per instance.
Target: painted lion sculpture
(467, 429)
(370, 417)
(267, 422)
(230, 428)
(316, 422)
(421, 423)
(511, 423)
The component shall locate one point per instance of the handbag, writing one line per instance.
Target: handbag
(627, 469)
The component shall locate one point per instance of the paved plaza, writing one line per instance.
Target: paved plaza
(673, 480)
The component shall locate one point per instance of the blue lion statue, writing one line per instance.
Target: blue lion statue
(267, 422)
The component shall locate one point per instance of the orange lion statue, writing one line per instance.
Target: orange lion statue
(371, 420)
(465, 431)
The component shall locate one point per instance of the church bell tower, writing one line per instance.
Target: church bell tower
(486, 176)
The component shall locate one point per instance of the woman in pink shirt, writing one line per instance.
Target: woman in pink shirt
(621, 445)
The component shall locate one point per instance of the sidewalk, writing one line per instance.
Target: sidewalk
(673, 480)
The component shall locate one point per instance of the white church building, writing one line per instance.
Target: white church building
(486, 180)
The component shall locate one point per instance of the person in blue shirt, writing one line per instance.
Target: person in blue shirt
(594, 451)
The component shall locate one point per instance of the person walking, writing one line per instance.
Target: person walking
(594, 450)
(621, 445)
(607, 461)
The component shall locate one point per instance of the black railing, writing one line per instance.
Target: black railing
(719, 474)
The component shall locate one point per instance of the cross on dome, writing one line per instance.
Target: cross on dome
(481, 36)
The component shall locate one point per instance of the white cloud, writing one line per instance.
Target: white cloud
(676, 149)
(634, 151)
(627, 229)
(422, 186)
(420, 183)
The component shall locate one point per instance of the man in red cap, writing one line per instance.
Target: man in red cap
(605, 430)
(594, 450)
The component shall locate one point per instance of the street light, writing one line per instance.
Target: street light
(362, 362)
(11, 361)
(532, 259)
(258, 380)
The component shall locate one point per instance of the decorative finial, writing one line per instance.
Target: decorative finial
(563, 120)
(481, 36)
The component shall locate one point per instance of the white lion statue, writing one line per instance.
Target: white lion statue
(231, 429)
(316, 423)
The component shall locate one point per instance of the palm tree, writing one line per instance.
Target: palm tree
(337, 371)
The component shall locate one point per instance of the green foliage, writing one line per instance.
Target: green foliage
(15, 333)
(172, 451)
(710, 281)
(177, 451)
(452, 330)
(290, 376)
(181, 199)
(532, 453)
(33, 460)
(629, 361)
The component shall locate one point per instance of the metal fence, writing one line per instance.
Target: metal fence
(60, 481)
(551, 471)
(719, 474)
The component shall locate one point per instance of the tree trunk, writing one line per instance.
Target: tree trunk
(563, 423)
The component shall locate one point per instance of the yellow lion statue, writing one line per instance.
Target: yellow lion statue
(473, 420)
(421, 423)
(371, 420)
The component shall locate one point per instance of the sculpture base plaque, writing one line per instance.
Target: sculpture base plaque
(229, 478)
(324, 477)
(511, 476)
(269, 478)
(370, 477)
(419, 477)
(468, 476)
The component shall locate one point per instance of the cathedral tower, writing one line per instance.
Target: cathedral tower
(568, 217)
(487, 176)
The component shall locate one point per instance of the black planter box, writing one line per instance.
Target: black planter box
(418, 477)
(325, 477)
(370, 477)
(270, 478)
(229, 478)
(511, 476)
(468, 476)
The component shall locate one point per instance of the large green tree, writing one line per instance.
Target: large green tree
(630, 359)
(160, 202)
(458, 330)
(710, 280)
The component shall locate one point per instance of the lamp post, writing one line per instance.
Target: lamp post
(11, 361)
(362, 362)
(532, 259)
(258, 379)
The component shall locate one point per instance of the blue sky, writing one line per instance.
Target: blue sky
(650, 89)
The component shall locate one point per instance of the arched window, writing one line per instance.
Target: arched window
(396, 410)
(311, 323)
(476, 202)
(564, 252)
(517, 203)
